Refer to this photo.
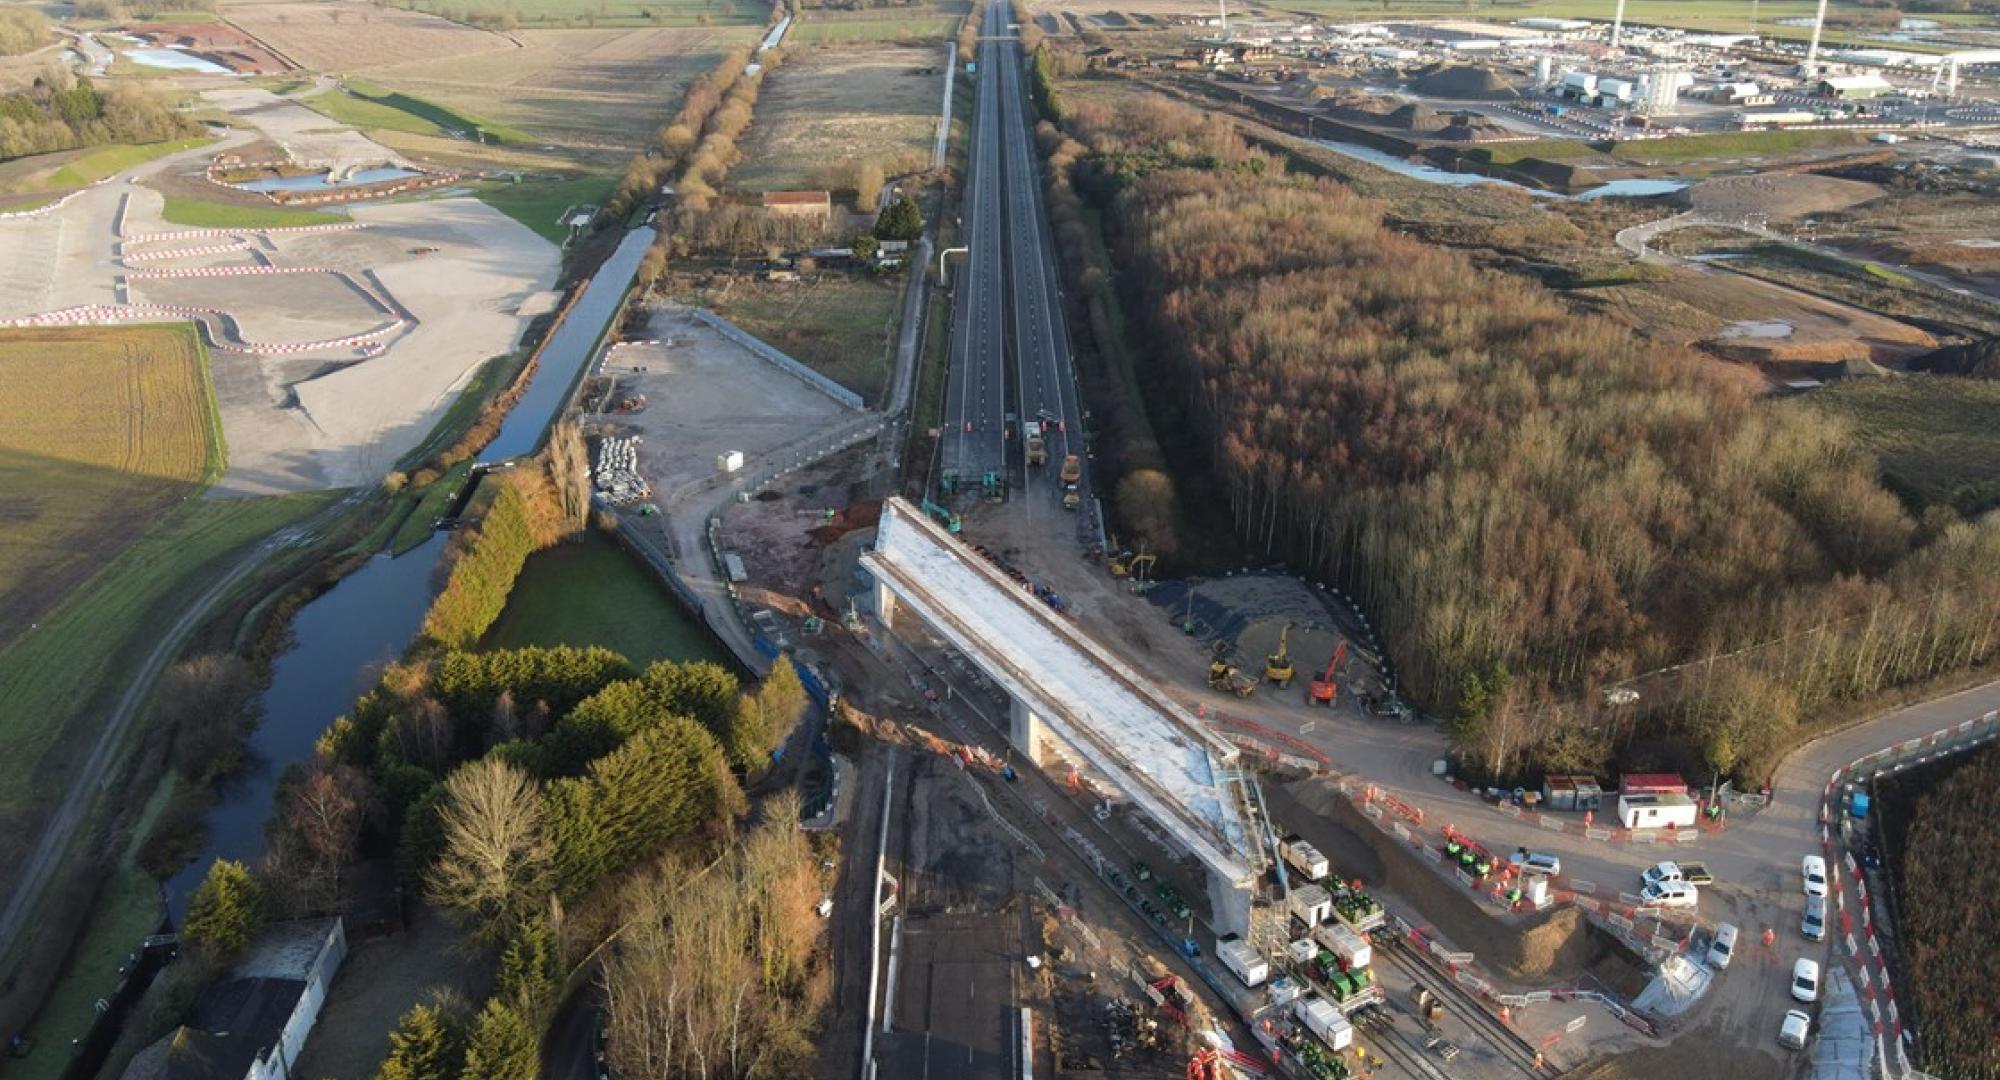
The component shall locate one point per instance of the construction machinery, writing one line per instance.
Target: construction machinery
(945, 517)
(1278, 666)
(1038, 450)
(1125, 564)
(1223, 676)
(1324, 688)
(1072, 474)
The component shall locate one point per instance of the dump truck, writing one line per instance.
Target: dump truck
(1072, 475)
(1223, 677)
(1038, 450)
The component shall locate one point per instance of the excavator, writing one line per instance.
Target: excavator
(1125, 564)
(1323, 688)
(1278, 665)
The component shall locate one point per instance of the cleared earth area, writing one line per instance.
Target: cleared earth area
(827, 109)
(342, 36)
(582, 88)
(116, 430)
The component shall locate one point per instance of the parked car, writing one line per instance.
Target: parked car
(1535, 862)
(1793, 1030)
(1813, 926)
(1805, 980)
(1661, 873)
(1723, 948)
(1670, 894)
(1814, 869)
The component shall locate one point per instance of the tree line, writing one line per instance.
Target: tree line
(64, 111)
(1531, 504)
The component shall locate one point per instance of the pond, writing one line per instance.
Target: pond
(324, 181)
(176, 60)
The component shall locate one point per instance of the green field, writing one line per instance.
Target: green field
(593, 593)
(1935, 435)
(66, 668)
(840, 325)
(824, 32)
(208, 215)
(121, 430)
(533, 14)
(369, 108)
(539, 204)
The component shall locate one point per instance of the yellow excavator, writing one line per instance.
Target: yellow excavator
(1125, 564)
(1278, 665)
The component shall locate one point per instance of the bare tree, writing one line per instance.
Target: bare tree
(205, 702)
(496, 865)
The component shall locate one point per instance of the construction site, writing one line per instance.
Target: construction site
(337, 345)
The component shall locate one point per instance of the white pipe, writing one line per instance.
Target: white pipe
(875, 925)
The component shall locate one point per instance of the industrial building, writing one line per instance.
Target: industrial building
(1853, 87)
(253, 1024)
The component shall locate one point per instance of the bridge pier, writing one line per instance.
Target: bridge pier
(885, 605)
(1229, 904)
(1024, 730)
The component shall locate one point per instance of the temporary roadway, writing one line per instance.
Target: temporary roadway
(1067, 690)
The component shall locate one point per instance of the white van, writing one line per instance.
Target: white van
(1723, 948)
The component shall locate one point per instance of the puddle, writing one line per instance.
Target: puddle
(1757, 328)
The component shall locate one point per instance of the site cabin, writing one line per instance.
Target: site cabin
(1648, 811)
(1310, 904)
(1571, 793)
(1237, 955)
(1306, 859)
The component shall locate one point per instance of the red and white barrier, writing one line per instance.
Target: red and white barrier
(186, 253)
(101, 314)
(276, 230)
(227, 271)
(40, 210)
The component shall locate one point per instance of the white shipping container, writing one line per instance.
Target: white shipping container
(1306, 859)
(1239, 957)
(1303, 950)
(1323, 1020)
(1284, 990)
(1346, 944)
(734, 564)
(729, 462)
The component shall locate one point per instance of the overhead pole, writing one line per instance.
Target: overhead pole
(1618, 24)
(1812, 50)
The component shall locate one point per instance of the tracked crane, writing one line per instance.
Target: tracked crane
(1324, 688)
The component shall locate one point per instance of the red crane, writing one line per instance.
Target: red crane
(1323, 688)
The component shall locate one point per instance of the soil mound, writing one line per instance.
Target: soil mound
(1466, 82)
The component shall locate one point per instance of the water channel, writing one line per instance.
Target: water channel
(324, 181)
(342, 639)
(1431, 174)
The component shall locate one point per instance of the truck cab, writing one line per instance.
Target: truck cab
(1038, 451)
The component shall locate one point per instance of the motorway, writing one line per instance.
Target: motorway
(976, 390)
(1010, 350)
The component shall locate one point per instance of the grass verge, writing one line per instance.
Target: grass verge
(198, 214)
(104, 161)
(417, 526)
(840, 325)
(539, 204)
(594, 593)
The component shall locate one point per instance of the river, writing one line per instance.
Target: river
(1431, 174)
(569, 349)
(342, 639)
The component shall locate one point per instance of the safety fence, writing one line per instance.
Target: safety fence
(185, 253)
(275, 230)
(780, 359)
(1860, 944)
(105, 315)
